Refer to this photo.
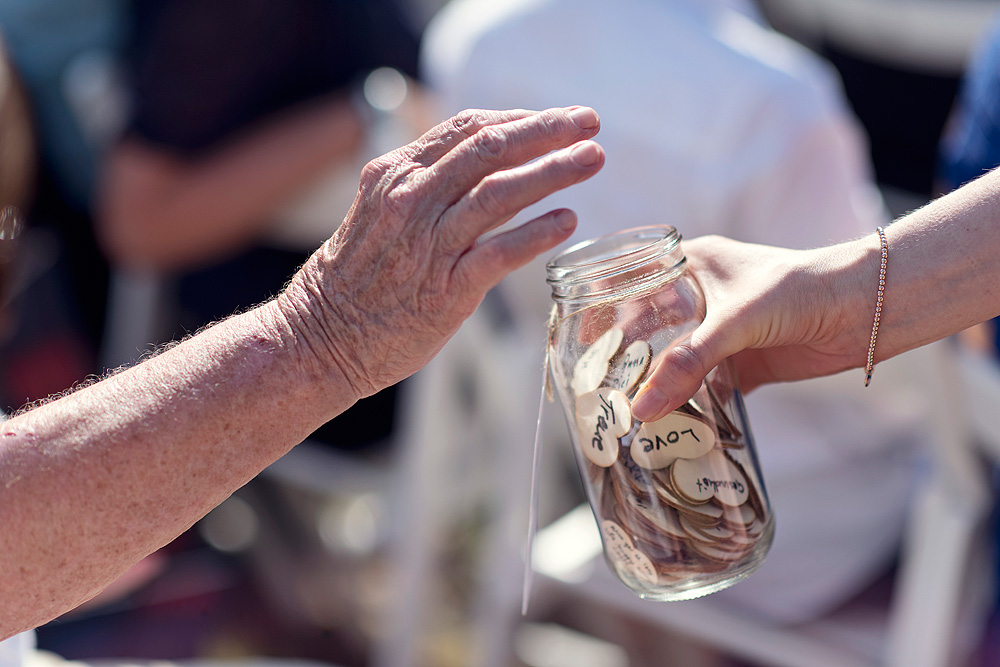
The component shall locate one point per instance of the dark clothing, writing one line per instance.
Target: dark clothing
(971, 146)
(204, 69)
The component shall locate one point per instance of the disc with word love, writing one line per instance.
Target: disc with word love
(677, 435)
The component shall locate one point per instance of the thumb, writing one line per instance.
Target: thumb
(681, 370)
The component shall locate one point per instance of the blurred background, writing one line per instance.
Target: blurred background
(187, 155)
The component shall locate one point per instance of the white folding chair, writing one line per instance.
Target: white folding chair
(135, 317)
(466, 433)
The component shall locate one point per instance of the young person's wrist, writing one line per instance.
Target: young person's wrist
(848, 274)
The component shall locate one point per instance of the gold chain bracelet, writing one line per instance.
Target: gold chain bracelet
(870, 366)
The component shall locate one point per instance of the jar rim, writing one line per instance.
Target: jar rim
(612, 253)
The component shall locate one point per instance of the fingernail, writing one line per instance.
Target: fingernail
(585, 118)
(648, 403)
(565, 220)
(586, 154)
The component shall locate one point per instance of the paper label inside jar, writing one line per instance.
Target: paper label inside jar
(602, 417)
(623, 552)
(592, 366)
(677, 435)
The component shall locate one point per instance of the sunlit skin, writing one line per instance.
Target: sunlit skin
(96, 480)
(793, 314)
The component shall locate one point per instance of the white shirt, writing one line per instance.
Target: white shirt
(714, 123)
(14, 651)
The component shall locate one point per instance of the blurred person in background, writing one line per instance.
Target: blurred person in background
(970, 143)
(250, 104)
(239, 113)
(236, 110)
(17, 168)
(716, 124)
(66, 54)
(17, 148)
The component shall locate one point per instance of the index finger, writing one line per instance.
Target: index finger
(444, 136)
(503, 146)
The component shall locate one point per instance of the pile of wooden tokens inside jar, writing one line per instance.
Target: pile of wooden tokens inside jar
(676, 496)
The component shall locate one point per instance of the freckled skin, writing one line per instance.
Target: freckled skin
(96, 480)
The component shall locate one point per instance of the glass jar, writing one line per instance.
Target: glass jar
(680, 502)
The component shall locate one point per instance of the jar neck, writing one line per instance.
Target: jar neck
(619, 265)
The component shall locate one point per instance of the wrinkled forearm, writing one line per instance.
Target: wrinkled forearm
(94, 481)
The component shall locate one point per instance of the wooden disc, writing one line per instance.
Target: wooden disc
(628, 369)
(592, 366)
(678, 435)
(710, 476)
(624, 554)
(602, 417)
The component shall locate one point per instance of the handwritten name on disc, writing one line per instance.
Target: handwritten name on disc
(602, 417)
(630, 367)
(712, 475)
(592, 366)
(623, 552)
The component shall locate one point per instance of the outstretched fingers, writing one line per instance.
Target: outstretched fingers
(443, 137)
(498, 147)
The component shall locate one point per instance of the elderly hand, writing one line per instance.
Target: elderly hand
(781, 314)
(408, 265)
(138, 457)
